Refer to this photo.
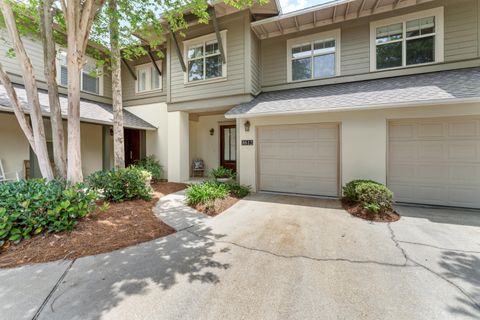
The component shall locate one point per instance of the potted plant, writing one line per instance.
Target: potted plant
(222, 174)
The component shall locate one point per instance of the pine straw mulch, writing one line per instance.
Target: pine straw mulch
(218, 206)
(121, 225)
(356, 209)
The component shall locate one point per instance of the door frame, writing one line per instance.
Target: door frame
(222, 143)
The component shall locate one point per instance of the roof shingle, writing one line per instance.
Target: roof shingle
(90, 111)
(442, 86)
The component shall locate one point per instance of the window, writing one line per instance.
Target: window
(203, 58)
(313, 57)
(90, 80)
(148, 78)
(408, 40)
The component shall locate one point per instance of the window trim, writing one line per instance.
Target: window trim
(438, 13)
(322, 36)
(149, 66)
(88, 60)
(200, 41)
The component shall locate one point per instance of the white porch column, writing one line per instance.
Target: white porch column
(178, 147)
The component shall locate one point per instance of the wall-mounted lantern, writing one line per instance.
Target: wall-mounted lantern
(212, 131)
(247, 126)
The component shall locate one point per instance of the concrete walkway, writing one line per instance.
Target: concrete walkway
(268, 257)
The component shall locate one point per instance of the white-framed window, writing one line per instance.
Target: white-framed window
(203, 58)
(409, 40)
(314, 56)
(148, 78)
(91, 79)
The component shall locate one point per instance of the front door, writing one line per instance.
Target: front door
(132, 146)
(228, 147)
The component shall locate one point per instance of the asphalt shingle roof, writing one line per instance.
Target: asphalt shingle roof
(397, 91)
(90, 111)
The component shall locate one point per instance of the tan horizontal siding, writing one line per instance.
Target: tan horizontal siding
(235, 80)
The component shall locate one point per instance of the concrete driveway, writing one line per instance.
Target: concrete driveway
(270, 257)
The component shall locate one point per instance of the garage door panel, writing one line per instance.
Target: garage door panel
(314, 168)
(300, 159)
(431, 130)
(435, 161)
(299, 184)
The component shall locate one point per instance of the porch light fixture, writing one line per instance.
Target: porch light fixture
(212, 131)
(247, 126)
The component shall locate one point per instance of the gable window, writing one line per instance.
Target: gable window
(203, 58)
(90, 80)
(313, 57)
(407, 41)
(148, 78)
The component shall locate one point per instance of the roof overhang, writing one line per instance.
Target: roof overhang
(433, 102)
(326, 14)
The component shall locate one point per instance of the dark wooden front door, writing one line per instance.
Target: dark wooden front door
(132, 146)
(228, 147)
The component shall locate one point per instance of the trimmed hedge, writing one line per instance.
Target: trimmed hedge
(374, 196)
(120, 185)
(207, 192)
(29, 207)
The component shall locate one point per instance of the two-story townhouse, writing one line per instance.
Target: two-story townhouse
(304, 102)
(375, 89)
(96, 115)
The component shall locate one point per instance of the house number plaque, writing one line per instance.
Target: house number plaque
(247, 142)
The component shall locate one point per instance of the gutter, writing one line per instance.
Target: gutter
(357, 108)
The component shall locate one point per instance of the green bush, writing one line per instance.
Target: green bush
(222, 172)
(29, 207)
(121, 185)
(238, 190)
(206, 192)
(375, 197)
(151, 165)
(350, 189)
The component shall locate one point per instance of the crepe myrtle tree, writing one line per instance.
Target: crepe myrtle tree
(123, 27)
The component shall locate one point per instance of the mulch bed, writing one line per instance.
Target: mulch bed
(218, 207)
(121, 225)
(356, 209)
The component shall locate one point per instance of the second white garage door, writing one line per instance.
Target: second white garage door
(300, 159)
(435, 161)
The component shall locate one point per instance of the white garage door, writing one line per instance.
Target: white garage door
(299, 159)
(435, 161)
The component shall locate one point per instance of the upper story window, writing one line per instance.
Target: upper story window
(407, 40)
(314, 57)
(203, 58)
(148, 78)
(91, 79)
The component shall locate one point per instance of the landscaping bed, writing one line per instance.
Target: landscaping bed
(217, 206)
(120, 225)
(369, 200)
(356, 209)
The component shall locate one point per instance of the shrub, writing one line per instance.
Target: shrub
(123, 184)
(350, 192)
(222, 172)
(238, 190)
(375, 197)
(151, 165)
(206, 192)
(29, 207)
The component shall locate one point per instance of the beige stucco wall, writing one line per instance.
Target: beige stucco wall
(14, 147)
(363, 143)
(202, 144)
(156, 140)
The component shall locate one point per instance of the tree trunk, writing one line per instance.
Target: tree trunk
(32, 92)
(49, 59)
(118, 139)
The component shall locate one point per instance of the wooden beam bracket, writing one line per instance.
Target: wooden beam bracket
(179, 52)
(217, 32)
(129, 69)
(153, 61)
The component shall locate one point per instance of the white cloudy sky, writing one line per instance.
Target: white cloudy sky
(293, 5)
